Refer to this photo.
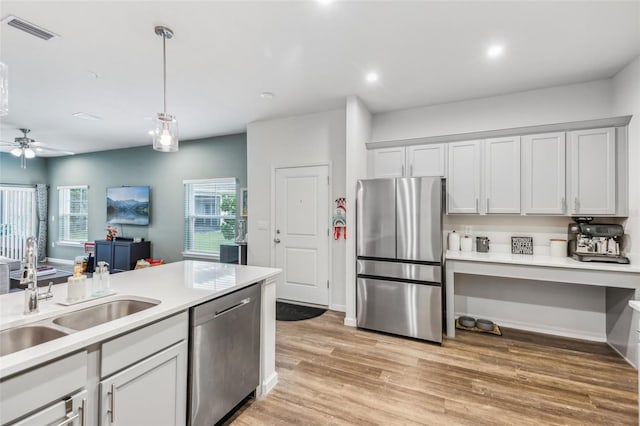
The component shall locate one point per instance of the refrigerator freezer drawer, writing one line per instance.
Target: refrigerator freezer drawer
(412, 310)
(405, 271)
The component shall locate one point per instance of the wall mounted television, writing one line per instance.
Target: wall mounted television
(128, 205)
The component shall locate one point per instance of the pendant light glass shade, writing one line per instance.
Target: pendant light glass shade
(165, 135)
(29, 153)
(4, 89)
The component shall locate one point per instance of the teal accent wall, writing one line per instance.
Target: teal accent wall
(10, 171)
(224, 156)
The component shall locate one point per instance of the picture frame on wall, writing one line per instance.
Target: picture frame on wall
(243, 202)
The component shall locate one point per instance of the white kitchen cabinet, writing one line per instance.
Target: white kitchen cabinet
(591, 174)
(409, 161)
(71, 411)
(463, 177)
(426, 160)
(151, 392)
(34, 392)
(543, 174)
(387, 162)
(502, 175)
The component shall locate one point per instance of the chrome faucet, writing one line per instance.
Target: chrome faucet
(29, 276)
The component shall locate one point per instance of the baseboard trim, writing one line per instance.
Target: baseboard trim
(633, 364)
(536, 328)
(338, 308)
(269, 384)
(350, 322)
(60, 261)
(296, 302)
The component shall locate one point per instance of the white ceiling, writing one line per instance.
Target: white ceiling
(224, 54)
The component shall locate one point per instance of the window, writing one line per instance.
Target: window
(18, 219)
(73, 212)
(209, 215)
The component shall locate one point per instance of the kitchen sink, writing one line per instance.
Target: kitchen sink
(19, 338)
(100, 314)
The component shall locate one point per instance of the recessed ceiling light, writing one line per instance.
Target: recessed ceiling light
(267, 95)
(495, 51)
(86, 116)
(93, 74)
(325, 2)
(372, 77)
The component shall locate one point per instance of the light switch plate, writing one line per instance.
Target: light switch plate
(263, 225)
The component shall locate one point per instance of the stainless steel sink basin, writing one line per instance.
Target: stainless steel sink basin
(99, 314)
(19, 338)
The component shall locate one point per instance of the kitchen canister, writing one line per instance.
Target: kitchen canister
(454, 241)
(557, 247)
(466, 243)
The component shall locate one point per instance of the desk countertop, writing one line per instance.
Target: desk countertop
(538, 260)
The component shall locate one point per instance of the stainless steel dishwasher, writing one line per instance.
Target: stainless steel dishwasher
(224, 356)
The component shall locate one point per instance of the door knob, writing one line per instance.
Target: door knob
(276, 240)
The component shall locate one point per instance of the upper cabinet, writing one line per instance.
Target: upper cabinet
(426, 160)
(410, 161)
(592, 172)
(572, 169)
(502, 175)
(543, 174)
(463, 177)
(387, 162)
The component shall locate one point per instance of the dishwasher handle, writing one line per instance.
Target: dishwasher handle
(231, 308)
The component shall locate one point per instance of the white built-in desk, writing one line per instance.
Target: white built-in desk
(622, 284)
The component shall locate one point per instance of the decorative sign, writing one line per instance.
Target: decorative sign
(522, 245)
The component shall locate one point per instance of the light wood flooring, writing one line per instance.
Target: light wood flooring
(332, 374)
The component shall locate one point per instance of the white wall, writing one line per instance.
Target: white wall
(358, 133)
(626, 100)
(545, 106)
(294, 141)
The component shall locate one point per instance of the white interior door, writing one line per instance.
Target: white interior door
(301, 235)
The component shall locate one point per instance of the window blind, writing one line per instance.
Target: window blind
(18, 219)
(209, 215)
(73, 214)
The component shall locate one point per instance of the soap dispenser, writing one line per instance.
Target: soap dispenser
(101, 281)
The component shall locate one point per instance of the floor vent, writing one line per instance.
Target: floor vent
(28, 27)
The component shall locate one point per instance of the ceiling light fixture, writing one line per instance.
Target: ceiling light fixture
(325, 2)
(372, 77)
(165, 138)
(4, 89)
(495, 51)
(267, 95)
(86, 116)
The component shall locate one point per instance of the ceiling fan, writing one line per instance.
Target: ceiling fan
(22, 147)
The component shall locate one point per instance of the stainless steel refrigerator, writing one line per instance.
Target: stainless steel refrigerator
(399, 256)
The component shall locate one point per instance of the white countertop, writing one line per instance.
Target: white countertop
(538, 260)
(177, 286)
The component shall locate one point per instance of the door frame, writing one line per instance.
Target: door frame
(272, 221)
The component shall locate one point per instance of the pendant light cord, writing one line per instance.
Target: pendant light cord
(164, 69)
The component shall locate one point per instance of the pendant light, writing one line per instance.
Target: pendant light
(165, 136)
(4, 89)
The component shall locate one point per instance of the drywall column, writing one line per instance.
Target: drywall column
(358, 133)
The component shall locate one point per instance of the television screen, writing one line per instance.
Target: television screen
(128, 205)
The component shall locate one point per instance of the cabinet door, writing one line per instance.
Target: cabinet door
(502, 175)
(103, 251)
(426, 160)
(543, 173)
(71, 411)
(387, 162)
(463, 177)
(151, 392)
(592, 174)
(122, 256)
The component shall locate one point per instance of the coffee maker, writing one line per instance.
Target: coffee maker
(595, 242)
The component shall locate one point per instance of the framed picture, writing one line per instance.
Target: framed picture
(243, 202)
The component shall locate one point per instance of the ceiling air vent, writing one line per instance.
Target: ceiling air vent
(28, 27)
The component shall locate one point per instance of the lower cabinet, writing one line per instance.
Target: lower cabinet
(151, 392)
(71, 411)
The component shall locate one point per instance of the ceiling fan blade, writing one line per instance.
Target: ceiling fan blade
(7, 143)
(42, 148)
